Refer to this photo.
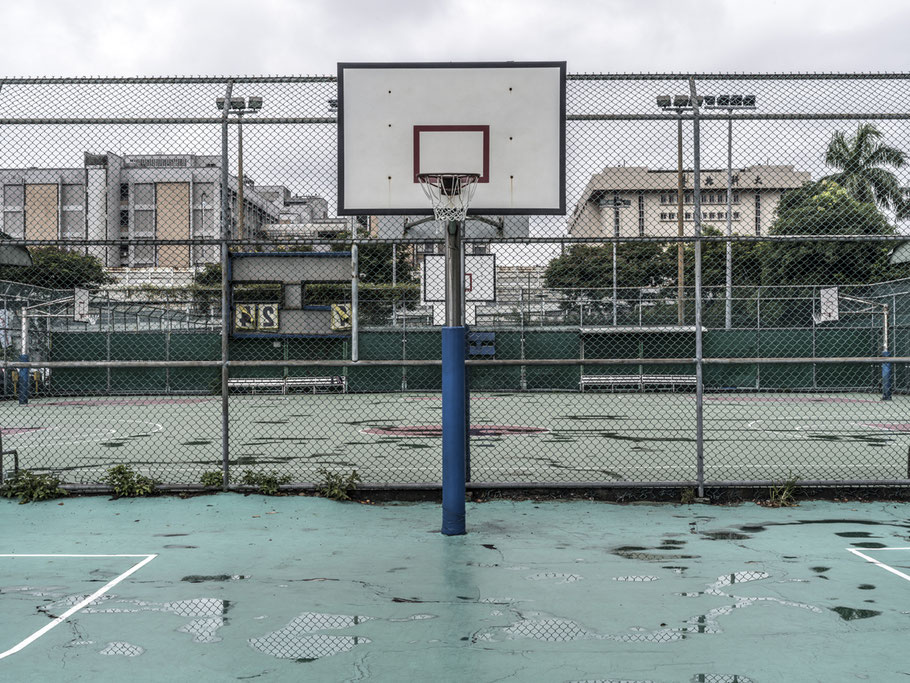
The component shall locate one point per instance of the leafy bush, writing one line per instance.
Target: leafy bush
(29, 487)
(266, 483)
(129, 484)
(335, 485)
(212, 480)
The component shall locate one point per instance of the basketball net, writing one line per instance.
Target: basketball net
(449, 193)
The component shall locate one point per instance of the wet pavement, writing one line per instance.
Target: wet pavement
(297, 588)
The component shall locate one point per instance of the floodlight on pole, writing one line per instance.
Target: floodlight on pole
(239, 106)
(730, 103)
(679, 104)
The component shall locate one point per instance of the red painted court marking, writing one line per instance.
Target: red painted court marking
(785, 399)
(6, 431)
(439, 398)
(435, 431)
(123, 402)
(890, 426)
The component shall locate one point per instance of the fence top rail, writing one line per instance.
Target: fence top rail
(325, 363)
(556, 239)
(325, 78)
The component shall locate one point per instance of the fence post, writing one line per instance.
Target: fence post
(699, 366)
(225, 285)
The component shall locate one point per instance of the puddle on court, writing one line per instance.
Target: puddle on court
(216, 578)
(636, 579)
(302, 641)
(724, 536)
(122, 649)
(547, 576)
(696, 678)
(548, 628)
(207, 616)
(634, 552)
(852, 614)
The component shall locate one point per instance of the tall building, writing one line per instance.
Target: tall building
(145, 196)
(637, 201)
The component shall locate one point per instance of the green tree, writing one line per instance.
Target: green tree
(746, 257)
(58, 269)
(587, 270)
(375, 262)
(826, 208)
(862, 162)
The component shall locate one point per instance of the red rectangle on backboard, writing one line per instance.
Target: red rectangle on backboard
(485, 130)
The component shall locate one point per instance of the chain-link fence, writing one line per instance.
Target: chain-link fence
(726, 300)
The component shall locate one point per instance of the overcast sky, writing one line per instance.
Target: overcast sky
(280, 37)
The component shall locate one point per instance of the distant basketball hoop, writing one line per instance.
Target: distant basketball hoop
(449, 193)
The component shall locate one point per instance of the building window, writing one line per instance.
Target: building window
(672, 215)
(736, 197)
(641, 214)
(663, 216)
(124, 192)
(712, 216)
(758, 213)
(688, 197)
(124, 218)
(736, 215)
(688, 215)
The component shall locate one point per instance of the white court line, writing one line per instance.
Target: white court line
(75, 608)
(882, 564)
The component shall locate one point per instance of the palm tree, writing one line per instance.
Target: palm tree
(860, 161)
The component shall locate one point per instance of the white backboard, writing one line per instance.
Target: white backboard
(81, 300)
(504, 121)
(829, 305)
(479, 278)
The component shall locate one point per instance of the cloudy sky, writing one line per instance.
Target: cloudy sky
(278, 37)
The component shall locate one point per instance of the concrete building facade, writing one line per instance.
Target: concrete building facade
(160, 196)
(634, 201)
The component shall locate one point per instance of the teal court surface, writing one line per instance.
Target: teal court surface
(231, 587)
(516, 437)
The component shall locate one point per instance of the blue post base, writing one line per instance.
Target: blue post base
(453, 431)
(23, 381)
(886, 378)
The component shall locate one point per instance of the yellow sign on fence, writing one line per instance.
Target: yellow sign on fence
(341, 316)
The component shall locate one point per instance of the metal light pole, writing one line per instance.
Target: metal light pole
(678, 104)
(730, 103)
(616, 204)
(240, 106)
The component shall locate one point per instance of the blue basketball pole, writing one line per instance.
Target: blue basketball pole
(23, 380)
(886, 378)
(454, 394)
(886, 351)
(23, 357)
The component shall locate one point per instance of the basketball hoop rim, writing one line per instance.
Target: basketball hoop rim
(436, 179)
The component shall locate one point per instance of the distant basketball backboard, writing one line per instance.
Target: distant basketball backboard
(479, 278)
(504, 122)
